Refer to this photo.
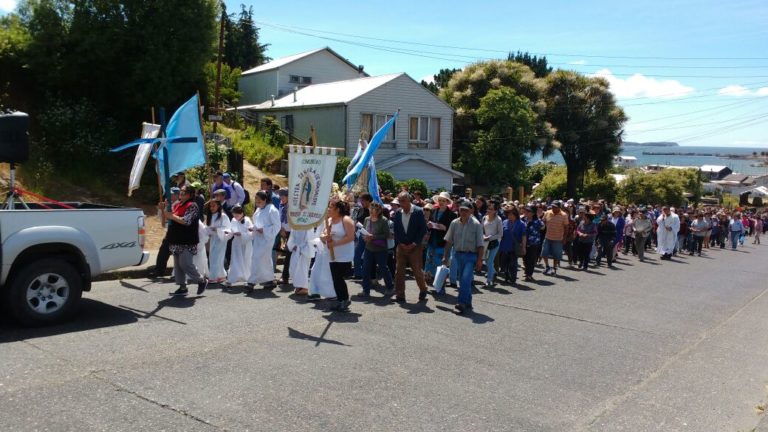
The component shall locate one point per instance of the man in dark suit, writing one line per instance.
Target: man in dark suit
(410, 229)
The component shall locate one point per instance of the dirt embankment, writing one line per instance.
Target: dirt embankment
(117, 196)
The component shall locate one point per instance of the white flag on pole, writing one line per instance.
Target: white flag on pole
(148, 130)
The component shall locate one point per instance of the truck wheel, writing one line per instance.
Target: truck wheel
(44, 292)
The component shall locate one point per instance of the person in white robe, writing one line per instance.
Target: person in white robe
(201, 259)
(218, 223)
(302, 248)
(266, 225)
(320, 280)
(242, 247)
(666, 233)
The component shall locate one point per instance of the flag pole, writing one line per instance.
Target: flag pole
(166, 164)
(205, 147)
(157, 165)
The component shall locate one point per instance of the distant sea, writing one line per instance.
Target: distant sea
(737, 165)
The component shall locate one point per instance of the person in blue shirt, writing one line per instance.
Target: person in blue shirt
(512, 238)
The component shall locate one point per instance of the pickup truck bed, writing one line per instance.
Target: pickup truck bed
(48, 256)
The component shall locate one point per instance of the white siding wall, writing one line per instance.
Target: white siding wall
(322, 66)
(328, 123)
(432, 176)
(412, 99)
(258, 87)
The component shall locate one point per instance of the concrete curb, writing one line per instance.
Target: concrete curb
(134, 272)
(142, 271)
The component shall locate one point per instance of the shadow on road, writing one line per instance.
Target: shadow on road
(91, 315)
(416, 308)
(476, 317)
(295, 334)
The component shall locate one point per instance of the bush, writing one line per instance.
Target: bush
(386, 181)
(415, 185)
(342, 162)
(555, 185)
(255, 147)
(76, 138)
(667, 187)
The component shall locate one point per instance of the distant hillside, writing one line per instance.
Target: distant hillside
(650, 144)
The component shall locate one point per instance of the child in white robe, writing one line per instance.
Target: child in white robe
(302, 248)
(266, 225)
(218, 223)
(242, 247)
(201, 259)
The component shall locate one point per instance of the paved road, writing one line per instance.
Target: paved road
(647, 346)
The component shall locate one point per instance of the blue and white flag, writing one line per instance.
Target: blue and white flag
(184, 140)
(354, 161)
(367, 155)
(373, 183)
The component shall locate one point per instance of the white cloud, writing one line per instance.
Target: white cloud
(8, 5)
(578, 62)
(734, 90)
(639, 85)
(429, 79)
(739, 90)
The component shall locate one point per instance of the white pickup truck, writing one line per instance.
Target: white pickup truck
(48, 256)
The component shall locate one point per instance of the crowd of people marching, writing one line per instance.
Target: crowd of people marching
(444, 240)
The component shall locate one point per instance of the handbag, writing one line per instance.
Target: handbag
(493, 244)
(441, 274)
(519, 249)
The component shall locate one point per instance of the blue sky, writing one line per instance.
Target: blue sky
(695, 72)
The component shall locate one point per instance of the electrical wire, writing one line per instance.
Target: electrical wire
(463, 59)
(306, 29)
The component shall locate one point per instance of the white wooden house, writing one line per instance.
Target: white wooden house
(281, 76)
(625, 161)
(418, 146)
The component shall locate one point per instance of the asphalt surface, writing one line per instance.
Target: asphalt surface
(649, 346)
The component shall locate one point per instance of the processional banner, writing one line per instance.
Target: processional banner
(310, 174)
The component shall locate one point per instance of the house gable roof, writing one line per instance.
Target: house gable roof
(404, 157)
(713, 168)
(332, 93)
(736, 177)
(278, 63)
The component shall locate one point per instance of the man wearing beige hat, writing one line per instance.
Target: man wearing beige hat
(438, 224)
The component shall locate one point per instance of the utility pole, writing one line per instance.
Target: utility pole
(217, 94)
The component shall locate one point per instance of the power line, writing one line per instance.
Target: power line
(466, 59)
(719, 107)
(273, 25)
(687, 126)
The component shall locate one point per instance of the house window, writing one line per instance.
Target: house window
(306, 80)
(424, 132)
(286, 122)
(294, 79)
(370, 123)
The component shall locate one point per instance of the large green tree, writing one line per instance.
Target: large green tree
(538, 65)
(440, 80)
(465, 92)
(242, 48)
(588, 122)
(508, 130)
(14, 80)
(98, 66)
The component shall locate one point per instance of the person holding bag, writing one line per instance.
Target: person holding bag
(492, 229)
